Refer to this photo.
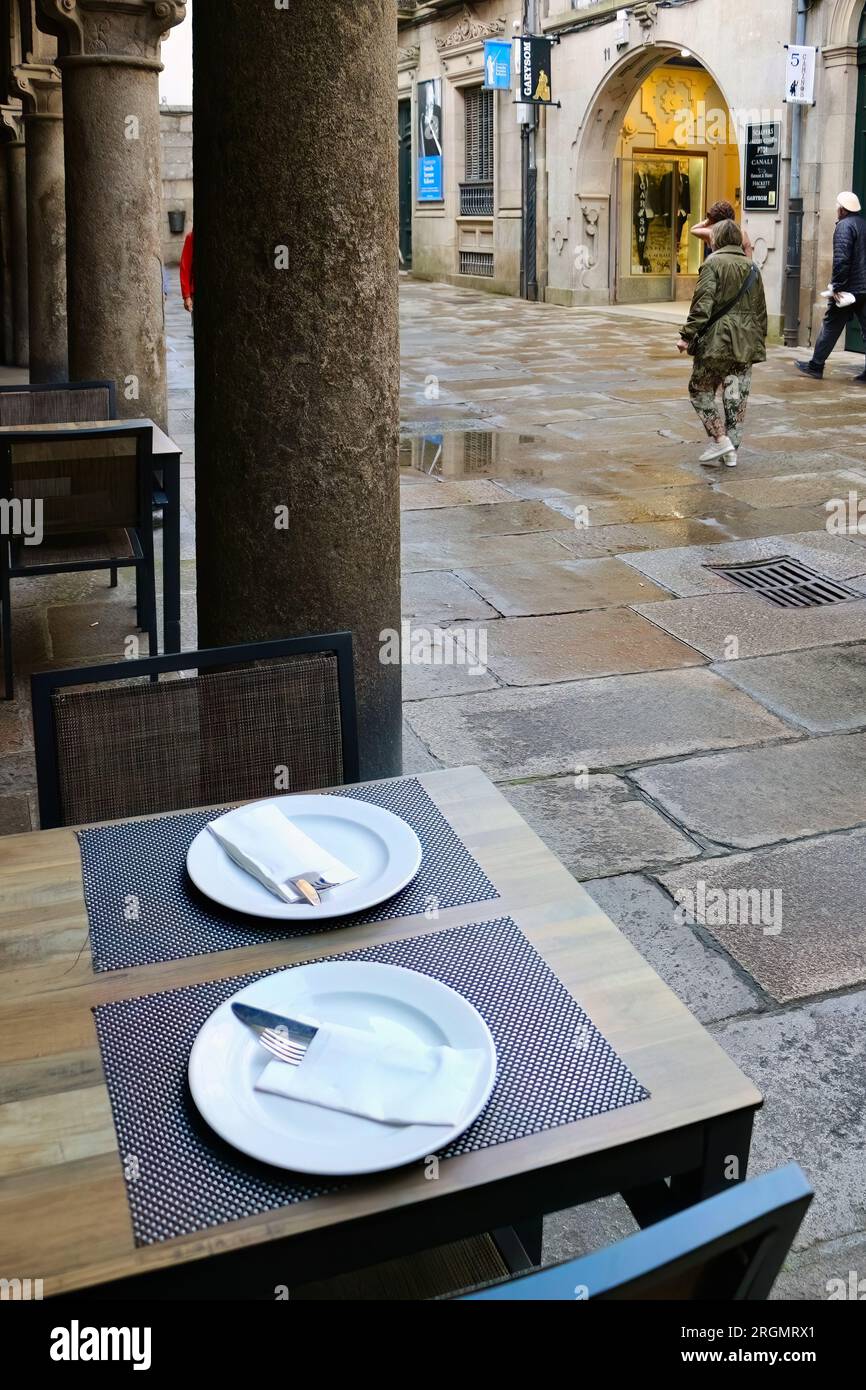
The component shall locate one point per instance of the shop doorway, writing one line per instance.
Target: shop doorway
(664, 198)
(678, 153)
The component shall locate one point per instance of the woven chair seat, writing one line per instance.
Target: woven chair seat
(100, 547)
(431, 1274)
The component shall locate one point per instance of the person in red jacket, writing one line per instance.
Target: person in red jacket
(187, 273)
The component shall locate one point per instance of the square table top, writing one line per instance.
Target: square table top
(162, 443)
(64, 1214)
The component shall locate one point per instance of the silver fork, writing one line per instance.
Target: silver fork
(281, 1045)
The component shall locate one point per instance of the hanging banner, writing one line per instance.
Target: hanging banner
(497, 65)
(430, 186)
(800, 74)
(763, 149)
(533, 72)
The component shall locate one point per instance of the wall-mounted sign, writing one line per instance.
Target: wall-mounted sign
(430, 187)
(763, 150)
(497, 65)
(800, 74)
(533, 71)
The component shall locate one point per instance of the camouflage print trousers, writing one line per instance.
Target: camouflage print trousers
(735, 379)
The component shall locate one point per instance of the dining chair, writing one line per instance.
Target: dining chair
(189, 729)
(76, 500)
(729, 1248)
(58, 403)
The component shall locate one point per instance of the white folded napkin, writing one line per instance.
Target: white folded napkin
(378, 1077)
(264, 842)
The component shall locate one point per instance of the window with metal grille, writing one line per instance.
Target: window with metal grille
(478, 105)
(476, 262)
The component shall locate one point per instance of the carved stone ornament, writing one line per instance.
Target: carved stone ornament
(646, 14)
(409, 57)
(129, 29)
(39, 87)
(469, 29)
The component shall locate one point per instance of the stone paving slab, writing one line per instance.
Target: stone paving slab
(686, 958)
(505, 518)
(823, 690)
(421, 495)
(709, 623)
(808, 1064)
(605, 723)
(599, 827)
(811, 936)
(694, 500)
(824, 1272)
(577, 646)
(437, 596)
(795, 488)
(536, 546)
(684, 571)
(14, 814)
(521, 590)
(759, 796)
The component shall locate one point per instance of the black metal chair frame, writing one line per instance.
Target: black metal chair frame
(142, 559)
(44, 684)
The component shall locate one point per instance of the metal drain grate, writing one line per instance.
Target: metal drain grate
(786, 582)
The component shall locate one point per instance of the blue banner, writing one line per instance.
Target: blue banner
(497, 65)
(430, 178)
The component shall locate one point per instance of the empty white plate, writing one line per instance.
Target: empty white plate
(227, 1060)
(381, 848)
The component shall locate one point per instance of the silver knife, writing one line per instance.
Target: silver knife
(259, 1020)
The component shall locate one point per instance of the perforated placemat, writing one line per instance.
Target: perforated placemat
(554, 1067)
(142, 907)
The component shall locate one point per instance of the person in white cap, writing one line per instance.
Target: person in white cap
(847, 284)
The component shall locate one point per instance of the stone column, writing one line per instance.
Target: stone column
(39, 86)
(16, 170)
(110, 68)
(296, 334)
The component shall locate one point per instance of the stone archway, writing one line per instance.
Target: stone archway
(595, 148)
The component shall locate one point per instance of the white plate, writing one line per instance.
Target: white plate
(227, 1059)
(382, 849)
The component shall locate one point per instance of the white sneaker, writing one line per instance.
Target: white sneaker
(716, 450)
(730, 460)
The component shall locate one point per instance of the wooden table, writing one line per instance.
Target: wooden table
(64, 1215)
(166, 461)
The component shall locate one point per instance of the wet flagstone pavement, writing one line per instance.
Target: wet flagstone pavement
(660, 728)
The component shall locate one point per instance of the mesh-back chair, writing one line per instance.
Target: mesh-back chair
(58, 403)
(226, 725)
(76, 500)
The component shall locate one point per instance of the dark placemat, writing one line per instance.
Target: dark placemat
(554, 1067)
(143, 909)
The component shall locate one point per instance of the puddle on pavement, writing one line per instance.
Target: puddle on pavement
(462, 454)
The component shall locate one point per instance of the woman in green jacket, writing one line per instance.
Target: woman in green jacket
(726, 347)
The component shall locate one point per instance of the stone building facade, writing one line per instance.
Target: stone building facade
(655, 104)
(175, 136)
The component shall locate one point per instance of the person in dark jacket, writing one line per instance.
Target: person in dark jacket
(726, 331)
(848, 278)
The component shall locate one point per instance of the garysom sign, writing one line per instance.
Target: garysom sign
(533, 71)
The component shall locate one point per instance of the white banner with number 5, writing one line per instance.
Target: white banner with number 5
(800, 74)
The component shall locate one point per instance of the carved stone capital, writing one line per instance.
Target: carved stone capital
(11, 124)
(120, 30)
(39, 87)
(408, 57)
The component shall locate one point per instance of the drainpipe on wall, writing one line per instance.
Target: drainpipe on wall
(794, 254)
